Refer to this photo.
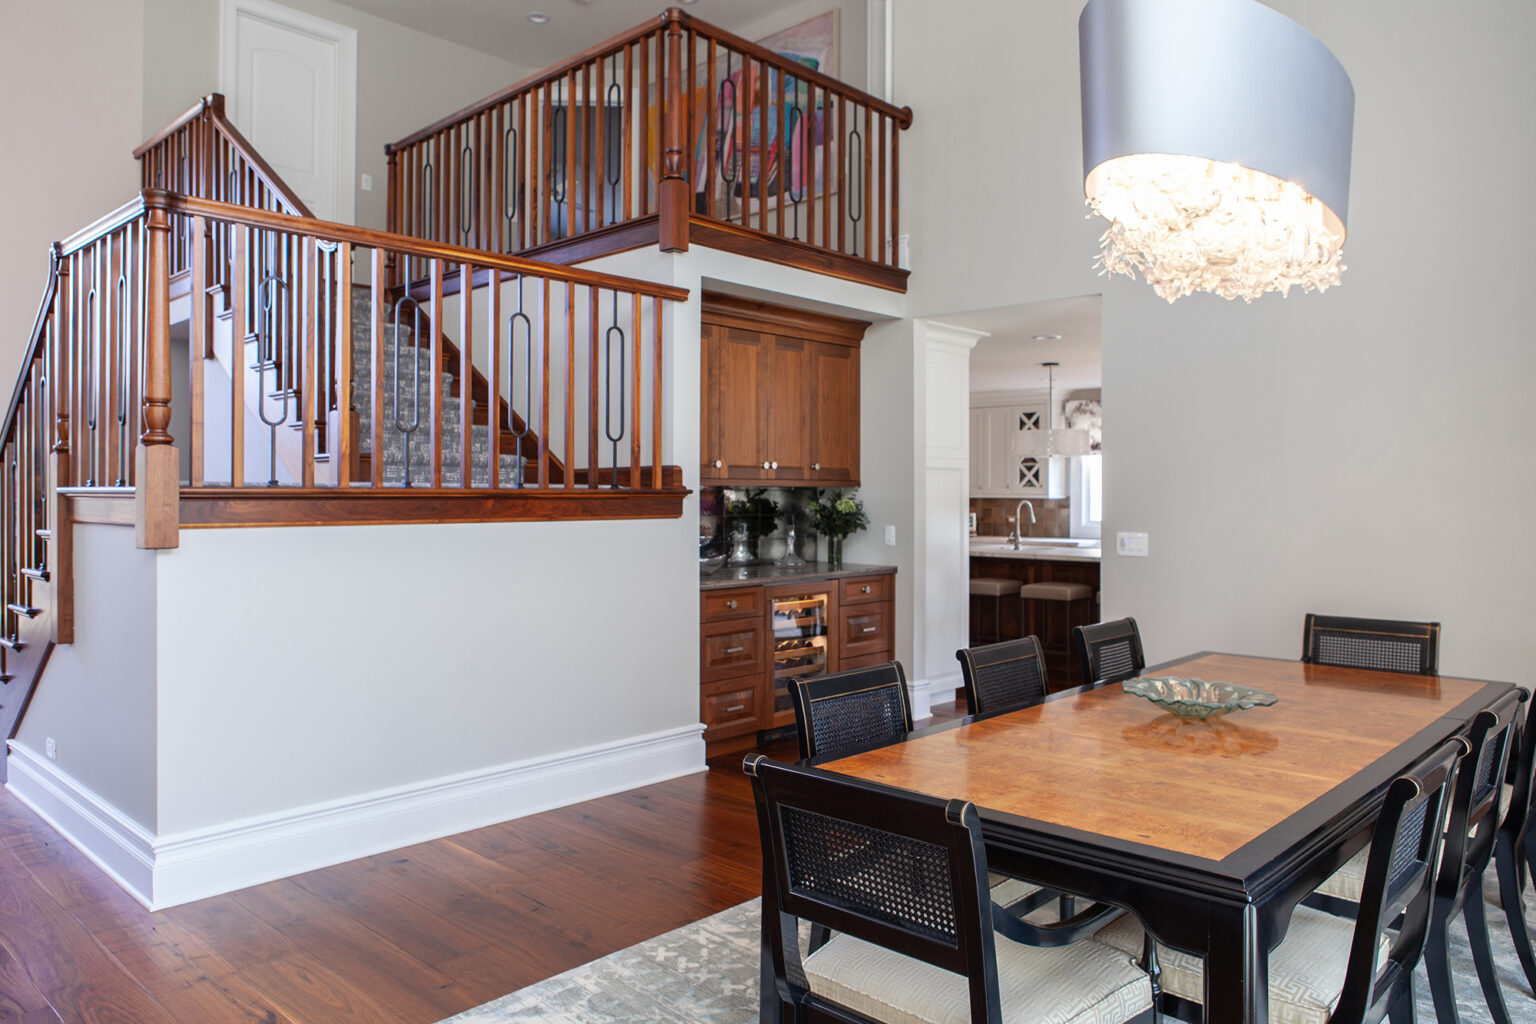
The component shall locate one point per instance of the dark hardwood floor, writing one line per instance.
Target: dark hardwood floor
(405, 937)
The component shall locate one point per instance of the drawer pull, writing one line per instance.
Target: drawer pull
(731, 603)
(734, 650)
(773, 465)
(735, 708)
(765, 465)
(871, 629)
(865, 588)
(718, 464)
(816, 466)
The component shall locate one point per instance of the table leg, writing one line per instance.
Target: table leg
(1236, 968)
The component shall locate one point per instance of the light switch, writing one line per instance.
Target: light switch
(367, 183)
(1133, 545)
(890, 536)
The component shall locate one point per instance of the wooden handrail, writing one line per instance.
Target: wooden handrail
(210, 109)
(405, 245)
(532, 82)
(103, 226)
(39, 331)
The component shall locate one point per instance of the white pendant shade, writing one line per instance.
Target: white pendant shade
(1216, 142)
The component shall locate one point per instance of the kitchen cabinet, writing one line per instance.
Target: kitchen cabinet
(779, 395)
(755, 641)
(999, 469)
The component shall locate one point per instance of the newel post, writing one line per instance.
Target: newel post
(157, 470)
(673, 200)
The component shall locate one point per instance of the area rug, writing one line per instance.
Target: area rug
(707, 973)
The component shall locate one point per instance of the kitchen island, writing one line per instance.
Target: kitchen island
(1043, 560)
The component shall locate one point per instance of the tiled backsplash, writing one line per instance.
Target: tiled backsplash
(1053, 518)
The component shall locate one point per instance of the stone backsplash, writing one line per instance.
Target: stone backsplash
(1052, 515)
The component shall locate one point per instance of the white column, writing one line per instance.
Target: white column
(942, 548)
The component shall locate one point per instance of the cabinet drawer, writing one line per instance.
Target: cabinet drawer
(736, 603)
(731, 648)
(866, 629)
(864, 660)
(732, 703)
(858, 589)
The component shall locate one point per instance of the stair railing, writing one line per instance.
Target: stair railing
(674, 128)
(203, 154)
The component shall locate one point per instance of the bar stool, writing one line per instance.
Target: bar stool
(996, 588)
(1056, 601)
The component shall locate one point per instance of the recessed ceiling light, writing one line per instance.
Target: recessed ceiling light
(690, 2)
(1047, 337)
(538, 17)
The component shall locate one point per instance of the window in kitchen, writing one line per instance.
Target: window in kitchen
(1086, 498)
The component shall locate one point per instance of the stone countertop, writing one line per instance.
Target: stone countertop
(1043, 549)
(769, 575)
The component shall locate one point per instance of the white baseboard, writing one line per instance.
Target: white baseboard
(164, 871)
(118, 845)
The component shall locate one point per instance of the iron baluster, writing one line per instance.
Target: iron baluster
(266, 358)
(468, 179)
(122, 380)
(510, 167)
(404, 429)
(613, 156)
(796, 123)
(519, 433)
(426, 209)
(559, 125)
(613, 439)
(92, 382)
(724, 131)
(855, 183)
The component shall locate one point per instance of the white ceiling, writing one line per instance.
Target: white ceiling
(501, 27)
(1009, 358)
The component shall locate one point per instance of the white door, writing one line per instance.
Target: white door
(290, 80)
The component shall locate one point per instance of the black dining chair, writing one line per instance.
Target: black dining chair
(1003, 677)
(1469, 846)
(1514, 853)
(861, 708)
(1334, 969)
(901, 878)
(1109, 652)
(1386, 645)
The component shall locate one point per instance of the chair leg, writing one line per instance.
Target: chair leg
(1437, 964)
(820, 936)
(1402, 1009)
(1154, 974)
(1475, 913)
(1509, 864)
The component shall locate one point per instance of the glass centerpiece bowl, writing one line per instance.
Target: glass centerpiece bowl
(1197, 698)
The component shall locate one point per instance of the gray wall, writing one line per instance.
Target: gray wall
(71, 120)
(1366, 451)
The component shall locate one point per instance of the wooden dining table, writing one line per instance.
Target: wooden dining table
(1208, 831)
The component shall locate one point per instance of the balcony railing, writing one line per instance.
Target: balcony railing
(675, 130)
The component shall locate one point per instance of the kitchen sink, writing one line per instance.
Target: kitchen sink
(1034, 542)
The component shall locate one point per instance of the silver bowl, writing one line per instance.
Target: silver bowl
(1197, 698)
(710, 564)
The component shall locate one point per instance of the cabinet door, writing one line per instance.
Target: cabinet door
(981, 453)
(786, 444)
(735, 412)
(834, 414)
(711, 458)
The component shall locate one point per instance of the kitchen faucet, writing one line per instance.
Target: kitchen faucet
(1017, 532)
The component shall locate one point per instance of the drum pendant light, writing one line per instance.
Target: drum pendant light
(1216, 143)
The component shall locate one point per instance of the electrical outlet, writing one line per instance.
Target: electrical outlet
(890, 536)
(51, 748)
(367, 183)
(1133, 545)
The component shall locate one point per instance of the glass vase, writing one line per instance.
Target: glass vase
(834, 552)
(791, 557)
(743, 546)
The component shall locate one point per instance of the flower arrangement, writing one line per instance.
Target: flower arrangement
(756, 510)
(835, 517)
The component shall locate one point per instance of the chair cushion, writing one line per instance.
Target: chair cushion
(1346, 883)
(1306, 971)
(1084, 983)
(1055, 591)
(988, 586)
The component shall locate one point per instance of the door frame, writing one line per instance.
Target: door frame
(344, 40)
